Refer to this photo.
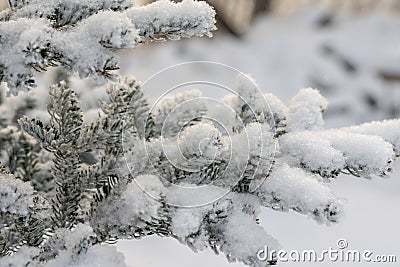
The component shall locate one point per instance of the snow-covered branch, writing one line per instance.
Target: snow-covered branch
(82, 36)
(173, 20)
(135, 171)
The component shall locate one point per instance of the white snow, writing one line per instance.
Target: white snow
(175, 20)
(305, 111)
(16, 196)
(309, 150)
(289, 187)
(283, 63)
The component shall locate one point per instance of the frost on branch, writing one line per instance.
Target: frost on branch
(16, 196)
(389, 130)
(171, 171)
(22, 215)
(173, 20)
(305, 111)
(65, 12)
(293, 188)
(103, 33)
(169, 120)
(83, 36)
(329, 152)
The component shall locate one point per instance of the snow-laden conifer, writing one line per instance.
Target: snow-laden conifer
(120, 177)
(83, 36)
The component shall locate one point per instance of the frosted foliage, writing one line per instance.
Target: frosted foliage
(22, 258)
(305, 111)
(72, 10)
(253, 152)
(136, 207)
(101, 256)
(248, 105)
(139, 155)
(240, 243)
(227, 222)
(200, 174)
(187, 222)
(100, 32)
(185, 19)
(250, 102)
(228, 105)
(20, 43)
(138, 204)
(312, 152)
(278, 109)
(387, 129)
(83, 36)
(201, 140)
(195, 149)
(172, 114)
(16, 196)
(78, 252)
(367, 155)
(288, 188)
(109, 29)
(75, 244)
(328, 152)
(285, 169)
(94, 256)
(74, 250)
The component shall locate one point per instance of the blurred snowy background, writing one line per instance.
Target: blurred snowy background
(348, 49)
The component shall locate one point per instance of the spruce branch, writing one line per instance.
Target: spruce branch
(83, 36)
